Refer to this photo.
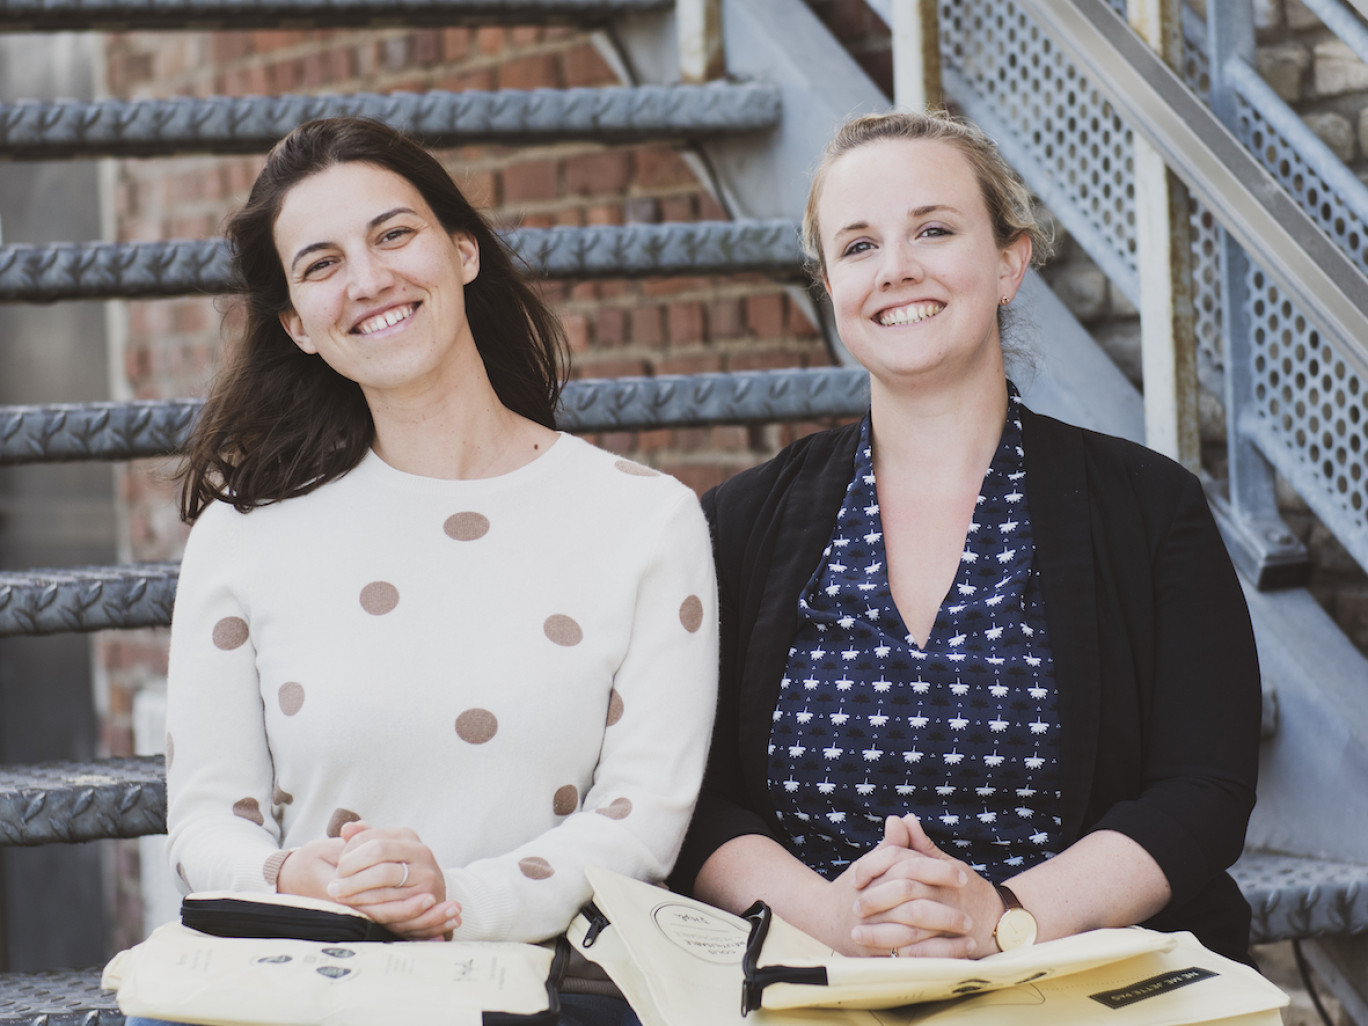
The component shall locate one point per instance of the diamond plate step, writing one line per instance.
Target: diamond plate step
(32, 130)
(64, 802)
(145, 270)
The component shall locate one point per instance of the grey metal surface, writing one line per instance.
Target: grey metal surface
(44, 274)
(63, 802)
(32, 130)
(57, 997)
(1295, 897)
(122, 15)
(80, 431)
(118, 431)
(86, 599)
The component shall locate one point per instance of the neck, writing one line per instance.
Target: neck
(944, 435)
(455, 434)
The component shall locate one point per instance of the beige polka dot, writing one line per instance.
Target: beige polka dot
(563, 630)
(230, 633)
(476, 726)
(248, 809)
(281, 796)
(691, 613)
(618, 808)
(466, 526)
(339, 819)
(379, 598)
(566, 800)
(635, 469)
(291, 697)
(535, 868)
(614, 708)
(170, 750)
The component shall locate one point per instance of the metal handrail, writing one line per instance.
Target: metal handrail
(1249, 204)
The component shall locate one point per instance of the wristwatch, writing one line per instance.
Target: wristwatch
(1017, 927)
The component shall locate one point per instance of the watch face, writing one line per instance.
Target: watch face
(1015, 929)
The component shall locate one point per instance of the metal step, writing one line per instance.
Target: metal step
(1295, 897)
(32, 130)
(146, 270)
(64, 802)
(152, 428)
(204, 15)
(57, 997)
(86, 599)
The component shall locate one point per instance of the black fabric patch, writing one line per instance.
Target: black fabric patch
(1153, 987)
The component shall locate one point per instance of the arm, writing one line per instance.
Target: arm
(219, 770)
(633, 816)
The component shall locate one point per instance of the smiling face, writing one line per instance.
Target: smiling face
(913, 269)
(376, 283)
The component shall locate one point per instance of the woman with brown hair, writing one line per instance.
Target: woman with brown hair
(986, 677)
(430, 657)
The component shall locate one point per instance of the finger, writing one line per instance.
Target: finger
(922, 872)
(364, 853)
(881, 938)
(917, 837)
(890, 891)
(350, 830)
(875, 862)
(896, 833)
(923, 914)
(435, 922)
(382, 876)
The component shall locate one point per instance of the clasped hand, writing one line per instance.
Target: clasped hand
(387, 873)
(913, 898)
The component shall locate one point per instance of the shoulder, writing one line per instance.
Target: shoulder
(602, 470)
(813, 458)
(1112, 469)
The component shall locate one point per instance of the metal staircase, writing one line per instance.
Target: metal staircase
(759, 133)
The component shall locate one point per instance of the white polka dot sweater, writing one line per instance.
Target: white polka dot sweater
(522, 669)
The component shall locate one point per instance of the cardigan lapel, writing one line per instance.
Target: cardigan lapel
(1057, 490)
(799, 531)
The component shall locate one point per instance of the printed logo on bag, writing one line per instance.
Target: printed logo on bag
(333, 972)
(274, 959)
(704, 935)
(339, 952)
(1152, 987)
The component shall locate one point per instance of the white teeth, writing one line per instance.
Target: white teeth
(385, 319)
(910, 314)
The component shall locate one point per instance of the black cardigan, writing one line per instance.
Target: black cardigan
(1154, 655)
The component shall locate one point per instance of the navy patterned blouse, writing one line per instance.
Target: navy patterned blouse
(963, 732)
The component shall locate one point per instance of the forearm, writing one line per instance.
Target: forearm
(1105, 879)
(753, 867)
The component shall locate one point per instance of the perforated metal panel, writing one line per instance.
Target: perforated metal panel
(1052, 125)
(1310, 401)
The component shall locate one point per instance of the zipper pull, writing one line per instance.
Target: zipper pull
(598, 922)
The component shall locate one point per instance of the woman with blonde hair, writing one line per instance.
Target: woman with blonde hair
(987, 678)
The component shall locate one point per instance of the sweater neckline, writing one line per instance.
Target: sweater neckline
(372, 465)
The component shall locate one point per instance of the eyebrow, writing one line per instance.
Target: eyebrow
(914, 213)
(374, 222)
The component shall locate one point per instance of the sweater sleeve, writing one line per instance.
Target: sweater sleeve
(1201, 727)
(219, 771)
(658, 722)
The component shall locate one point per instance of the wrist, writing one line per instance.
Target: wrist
(271, 868)
(1016, 926)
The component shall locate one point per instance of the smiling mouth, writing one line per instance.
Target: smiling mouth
(909, 314)
(387, 319)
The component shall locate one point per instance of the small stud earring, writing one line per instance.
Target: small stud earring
(1003, 301)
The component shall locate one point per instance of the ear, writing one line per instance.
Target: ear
(469, 251)
(1016, 258)
(294, 327)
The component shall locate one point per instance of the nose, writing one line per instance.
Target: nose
(899, 264)
(367, 275)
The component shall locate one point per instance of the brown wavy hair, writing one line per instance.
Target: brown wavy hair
(279, 422)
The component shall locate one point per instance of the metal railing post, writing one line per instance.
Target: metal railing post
(916, 55)
(698, 25)
(1262, 544)
(1164, 262)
